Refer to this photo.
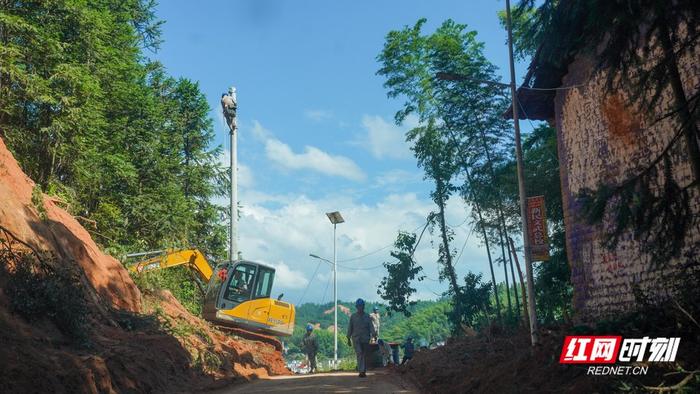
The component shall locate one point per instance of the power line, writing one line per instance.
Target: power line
(365, 255)
(446, 76)
(374, 267)
(328, 282)
(459, 225)
(375, 251)
(309, 284)
(463, 246)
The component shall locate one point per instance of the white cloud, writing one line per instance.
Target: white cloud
(259, 132)
(245, 174)
(285, 277)
(312, 158)
(398, 177)
(384, 139)
(286, 228)
(318, 115)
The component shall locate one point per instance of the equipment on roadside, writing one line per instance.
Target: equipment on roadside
(236, 293)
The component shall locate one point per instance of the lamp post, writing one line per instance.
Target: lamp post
(335, 218)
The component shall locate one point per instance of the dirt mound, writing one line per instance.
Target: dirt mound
(506, 363)
(73, 321)
(499, 364)
(253, 357)
(36, 220)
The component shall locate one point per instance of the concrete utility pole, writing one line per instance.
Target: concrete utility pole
(229, 104)
(521, 186)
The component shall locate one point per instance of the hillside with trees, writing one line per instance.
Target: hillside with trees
(428, 322)
(125, 147)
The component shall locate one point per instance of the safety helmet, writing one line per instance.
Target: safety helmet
(309, 327)
(360, 302)
(376, 308)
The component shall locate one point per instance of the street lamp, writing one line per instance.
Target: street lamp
(335, 218)
(335, 299)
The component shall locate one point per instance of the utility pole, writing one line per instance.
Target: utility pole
(229, 104)
(521, 186)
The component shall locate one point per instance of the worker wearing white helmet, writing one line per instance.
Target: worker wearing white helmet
(375, 322)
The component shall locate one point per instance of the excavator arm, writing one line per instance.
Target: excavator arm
(193, 258)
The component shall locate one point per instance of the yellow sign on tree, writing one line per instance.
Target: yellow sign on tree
(537, 229)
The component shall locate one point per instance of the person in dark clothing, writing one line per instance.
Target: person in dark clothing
(408, 350)
(360, 330)
(310, 345)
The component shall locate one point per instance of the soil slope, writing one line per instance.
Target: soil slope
(133, 342)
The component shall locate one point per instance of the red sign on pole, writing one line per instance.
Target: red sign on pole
(537, 229)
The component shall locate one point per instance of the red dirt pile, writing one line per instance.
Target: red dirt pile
(505, 362)
(499, 364)
(132, 342)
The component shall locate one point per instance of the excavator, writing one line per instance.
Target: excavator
(236, 293)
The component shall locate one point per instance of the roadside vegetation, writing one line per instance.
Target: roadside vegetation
(107, 132)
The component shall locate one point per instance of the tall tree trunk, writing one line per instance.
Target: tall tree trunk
(488, 250)
(449, 267)
(515, 283)
(522, 283)
(690, 129)
(505, 272)
(463, 164)
(502, 223)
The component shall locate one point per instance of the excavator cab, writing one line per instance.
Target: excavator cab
(238, 295)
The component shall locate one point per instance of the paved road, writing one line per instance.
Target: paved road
(339, 382)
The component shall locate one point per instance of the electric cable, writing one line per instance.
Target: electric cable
(309, 284)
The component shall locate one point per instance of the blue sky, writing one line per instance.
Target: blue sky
(317, 132)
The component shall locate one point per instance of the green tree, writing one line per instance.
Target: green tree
(396, 286)
(462, 136)
(126, 147)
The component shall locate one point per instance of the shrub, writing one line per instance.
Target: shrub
(37, 289)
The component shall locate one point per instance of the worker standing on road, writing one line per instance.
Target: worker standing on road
(310, 345)
(375, 322)
(408, 350)
(360, 330)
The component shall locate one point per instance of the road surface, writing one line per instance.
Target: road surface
(338, 382)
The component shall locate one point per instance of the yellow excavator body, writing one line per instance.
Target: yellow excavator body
(237, 293)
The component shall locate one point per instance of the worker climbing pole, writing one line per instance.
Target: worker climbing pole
(229, 105)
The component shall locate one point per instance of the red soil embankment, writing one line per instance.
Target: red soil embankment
(135, 342)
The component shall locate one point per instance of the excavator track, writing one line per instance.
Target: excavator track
(253, 336)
